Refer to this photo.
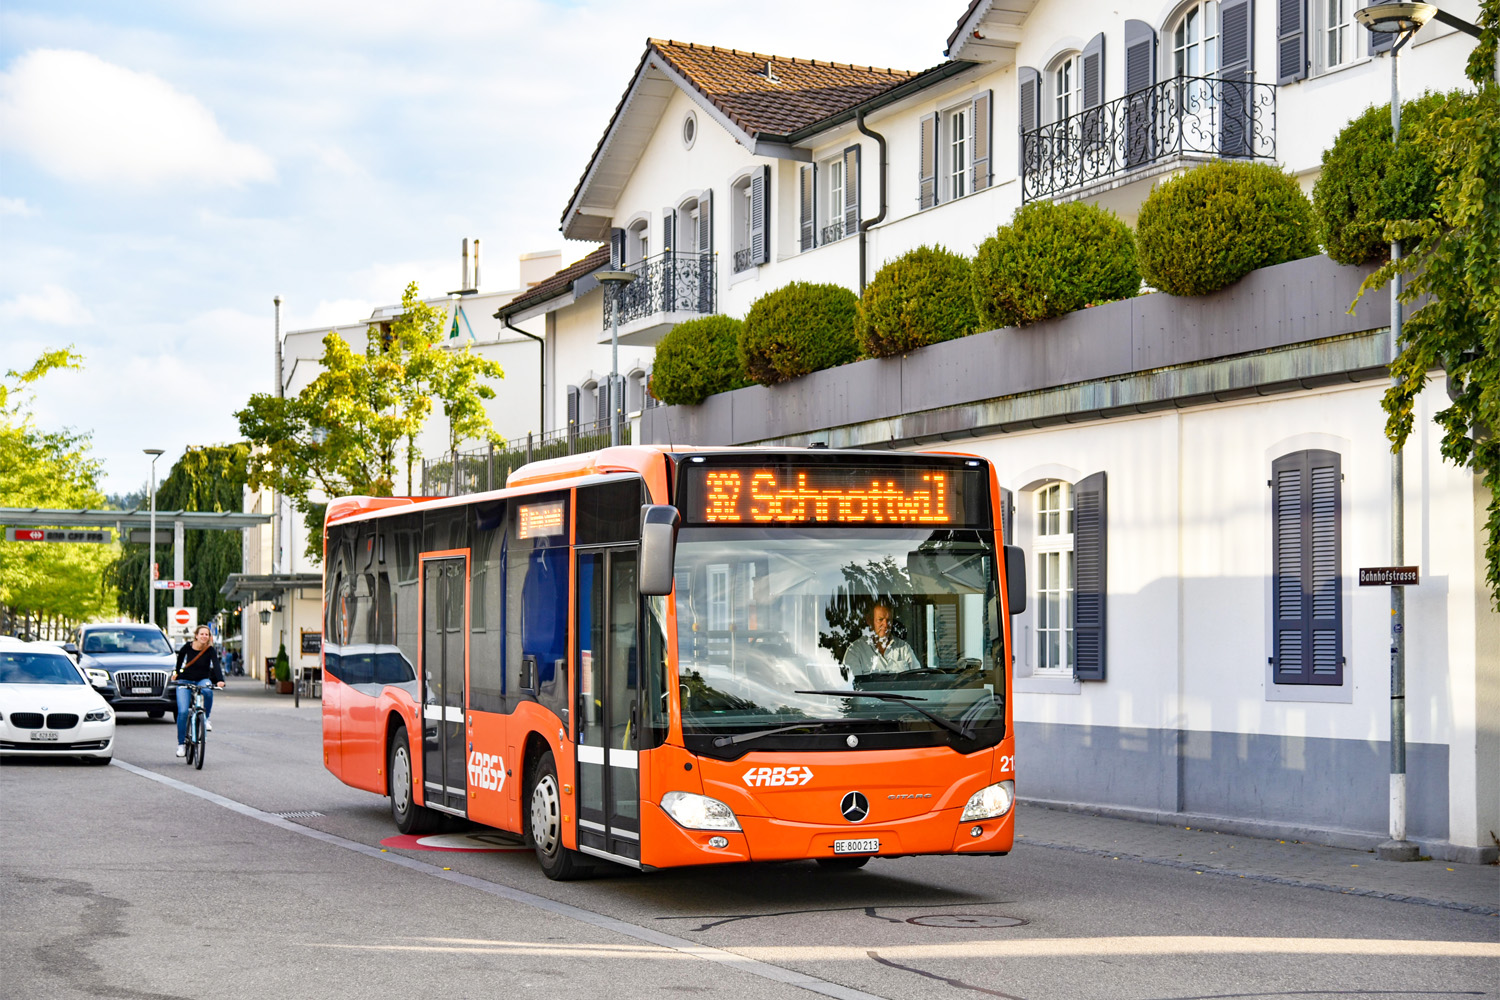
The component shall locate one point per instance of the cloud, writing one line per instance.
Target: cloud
(16, 206)
(84, 119)
(52, 304)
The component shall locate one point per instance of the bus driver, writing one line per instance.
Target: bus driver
(880, 652)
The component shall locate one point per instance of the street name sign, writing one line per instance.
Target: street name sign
(1389, 576)
(172, 584)
(99, 537)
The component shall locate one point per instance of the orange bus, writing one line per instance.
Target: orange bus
(659, 657)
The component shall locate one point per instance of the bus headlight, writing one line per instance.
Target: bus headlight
(698, 812)
(987, 803)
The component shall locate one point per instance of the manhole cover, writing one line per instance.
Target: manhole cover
(965, 920)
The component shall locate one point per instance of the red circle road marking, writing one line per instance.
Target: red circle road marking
(466, 842)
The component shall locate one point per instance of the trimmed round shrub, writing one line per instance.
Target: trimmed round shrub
(797, 329)
(1050, 260)
(1211, 226)
(1366, 183)
(919, 298)
(697, 359)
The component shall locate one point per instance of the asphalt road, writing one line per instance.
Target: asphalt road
(263, 876)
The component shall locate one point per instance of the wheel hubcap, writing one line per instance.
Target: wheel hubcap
(545, 828)
(401, 781)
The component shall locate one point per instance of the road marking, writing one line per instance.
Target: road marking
(754, 967)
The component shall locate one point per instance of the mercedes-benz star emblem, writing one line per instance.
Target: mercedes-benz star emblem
(852, 740)
(855, 807)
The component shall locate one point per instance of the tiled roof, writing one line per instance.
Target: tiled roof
(795, 94)
(963, 20)
(559, 283)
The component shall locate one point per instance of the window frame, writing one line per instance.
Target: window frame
(1065, 104)
(955, 149)
(834, 190)
(1053, 546)
(1208, 11)
(1353, 51)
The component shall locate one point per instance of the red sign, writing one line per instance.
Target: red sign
(182, 616)
(172, 584)
(30, 535)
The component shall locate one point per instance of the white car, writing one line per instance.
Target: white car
(48, 708)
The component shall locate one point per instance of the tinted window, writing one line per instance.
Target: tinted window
(37, 668)
(486, 621)
(536, 602)
(140, 641)
(610, 512)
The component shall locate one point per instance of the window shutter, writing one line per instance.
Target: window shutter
(1291, 40)
(927, 165)
(981, 124)
(573, 399)
(705, 254)
(601, 404)
(807, 205)
(1306, 557)
(1089, 578)
(1029, 88)
(1140, 104)
(705, 222)
(1093, 72)
(760, 216)
(1140, 56)
(668, 244)
(616, 249)
(851, 190)
(668, 229)
(1236, 25)
(1381, 41)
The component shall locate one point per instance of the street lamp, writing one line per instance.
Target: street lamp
(615, 280)
(265, 616)
(155, 453)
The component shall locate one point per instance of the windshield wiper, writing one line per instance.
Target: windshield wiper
(906, 699)
(729, 741)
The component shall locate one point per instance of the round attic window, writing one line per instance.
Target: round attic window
(689, 129)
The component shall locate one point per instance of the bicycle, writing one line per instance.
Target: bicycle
(197, 726)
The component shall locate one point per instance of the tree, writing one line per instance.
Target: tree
(62, 583)
(1456, 269)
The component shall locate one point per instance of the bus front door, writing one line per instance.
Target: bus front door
(444, 629)
(607, 681)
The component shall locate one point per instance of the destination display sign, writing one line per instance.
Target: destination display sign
(834, 494)
(540, 520)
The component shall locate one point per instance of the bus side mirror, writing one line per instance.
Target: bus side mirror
(658, 548)
(1015, 578)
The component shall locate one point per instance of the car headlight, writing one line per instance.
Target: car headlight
(699, 812)
(98, 715)
(97, 677)
(987, 803)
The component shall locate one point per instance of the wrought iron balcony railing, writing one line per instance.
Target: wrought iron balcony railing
(742, 260)
(832, 233)
(673, 281)
(1196, 115)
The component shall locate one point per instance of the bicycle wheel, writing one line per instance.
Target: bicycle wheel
(192, 746)
(200, 731)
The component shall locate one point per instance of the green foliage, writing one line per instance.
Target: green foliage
(281, 668)
(57, 469)
(342, 435)
(1366, 183)
(1208, 228)
(1456, 269)
(1050, 260)
(797, 329)
(919, 298)
(697, 359)
(1481, 67)
(210, 478)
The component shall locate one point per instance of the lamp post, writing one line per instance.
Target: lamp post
(615, 280)
(155, 453)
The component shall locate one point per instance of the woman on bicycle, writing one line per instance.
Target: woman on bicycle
(197, 665)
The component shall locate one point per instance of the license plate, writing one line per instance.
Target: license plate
(869, 846)
(144, 690)
(42, 736)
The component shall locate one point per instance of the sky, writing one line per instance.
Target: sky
(168, 167)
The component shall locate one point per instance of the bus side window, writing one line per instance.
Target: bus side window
(486, 649)
(536, 608)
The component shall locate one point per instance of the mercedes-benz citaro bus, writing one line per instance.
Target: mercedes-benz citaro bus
(664, 656)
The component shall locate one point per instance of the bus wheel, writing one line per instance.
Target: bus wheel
(409, 817)
(558, 862)
(842, 864)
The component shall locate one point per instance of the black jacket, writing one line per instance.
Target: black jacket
(206, 668)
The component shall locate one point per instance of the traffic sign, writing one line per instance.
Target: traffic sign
(172, 584)
(1389, 576)
(182, 621)
(100, 537)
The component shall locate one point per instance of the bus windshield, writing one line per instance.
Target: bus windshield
(773, 625)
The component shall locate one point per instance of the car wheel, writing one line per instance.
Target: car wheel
(558, 862)
(408, 816)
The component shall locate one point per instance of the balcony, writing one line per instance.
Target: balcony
(1141, 134)
(668, 289)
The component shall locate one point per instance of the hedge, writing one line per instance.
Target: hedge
(1211, 226)
(919, 298)
(697, 359)
(1050, 260)
(797, 329)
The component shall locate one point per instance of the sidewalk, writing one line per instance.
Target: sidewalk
(1472, 888)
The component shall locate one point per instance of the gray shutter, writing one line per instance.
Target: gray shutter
(1236, 41)
(1029, 91)
(668, 265)
(1093, 72)
(668, 229)
(601, 404)
(1140, 104)
(981, 127)
(616, 249)
(851, 190)
(760, 216)
(573, 401)
(1291, 40)
(705, 222)
(807, 206)
(1090, 524)
(927, 193)
(1381, 41)
(1306, 556)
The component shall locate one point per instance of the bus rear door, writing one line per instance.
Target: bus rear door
(445, 630)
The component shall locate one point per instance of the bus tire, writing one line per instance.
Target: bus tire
(408, 816)
(843, 864)
(558, 862)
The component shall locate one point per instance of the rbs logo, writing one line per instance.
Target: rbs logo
(778, 777)
(486, 770)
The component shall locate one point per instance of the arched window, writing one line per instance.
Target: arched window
(1052, 545)
(638, 245)
(1065, 83)
(1194, 39)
